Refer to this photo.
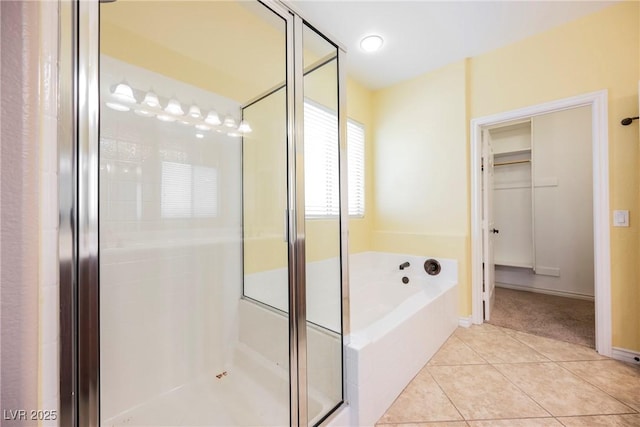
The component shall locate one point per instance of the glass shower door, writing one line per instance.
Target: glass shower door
(178, 344)
(323, 211)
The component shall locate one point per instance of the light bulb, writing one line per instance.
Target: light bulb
(174, 108)
(194, 111)
(229, 122)
(212, 118)
(151, 100)
(244, 127)
(124, 93)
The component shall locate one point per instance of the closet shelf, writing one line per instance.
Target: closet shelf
(513, 264)
(512, 152)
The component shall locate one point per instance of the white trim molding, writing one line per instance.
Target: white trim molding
(545, 291)
(602, 251)
(465, 322)
(625, 355)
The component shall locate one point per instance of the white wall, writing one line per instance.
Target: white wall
(169, 286)
(20, 193)
(49, 393)
(512, 211)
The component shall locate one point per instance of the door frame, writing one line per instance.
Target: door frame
(601, 231)
(488, 223)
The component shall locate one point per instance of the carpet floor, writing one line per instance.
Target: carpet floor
(565, 319)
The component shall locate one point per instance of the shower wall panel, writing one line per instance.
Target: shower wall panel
(170, 242)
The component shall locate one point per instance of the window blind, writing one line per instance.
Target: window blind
(188, 191)
(322, 189)
(355, 165)
(205, 191)
(175, 201)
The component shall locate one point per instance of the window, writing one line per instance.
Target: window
(355, 163)
(188, 191)
(322, 195)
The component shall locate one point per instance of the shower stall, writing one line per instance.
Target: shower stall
(203, 228)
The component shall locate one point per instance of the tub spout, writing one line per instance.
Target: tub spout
(404, 265)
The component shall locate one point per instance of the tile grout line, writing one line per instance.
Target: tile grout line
(558, 363)
(515, 385)
(592, 415)
(524, 392)
(446, 395)
(508, 336)
(425, 366)
(555, 416)
(458, 364)
(547, 361)
(515, 336)
(600, 389)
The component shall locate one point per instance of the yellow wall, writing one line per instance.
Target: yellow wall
(190, 41)
(264, 246)
(319, 86)
(421, 178)
(360, 109)
(422, 129)
(243, 77)
(600, 51)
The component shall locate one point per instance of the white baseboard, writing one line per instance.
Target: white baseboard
(465, 322)
(625, 355)
(545, 291)
(548, 271)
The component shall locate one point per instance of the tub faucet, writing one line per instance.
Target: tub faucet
(404, 265)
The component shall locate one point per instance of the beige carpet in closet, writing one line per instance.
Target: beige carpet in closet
(566, 319)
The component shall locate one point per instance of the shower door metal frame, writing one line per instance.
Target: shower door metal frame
(79, 211)
(78, 244)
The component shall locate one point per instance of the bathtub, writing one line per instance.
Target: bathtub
(395, 328)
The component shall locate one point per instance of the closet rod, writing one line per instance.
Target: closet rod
(514, 162)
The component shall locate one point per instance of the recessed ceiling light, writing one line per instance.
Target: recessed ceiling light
(371, 43)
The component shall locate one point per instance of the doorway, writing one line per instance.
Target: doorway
(483, 284)
(543, 225)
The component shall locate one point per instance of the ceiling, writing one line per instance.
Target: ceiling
(421, 36)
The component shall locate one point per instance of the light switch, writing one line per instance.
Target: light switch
(620, 218)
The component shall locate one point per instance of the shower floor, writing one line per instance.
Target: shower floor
(248, 395)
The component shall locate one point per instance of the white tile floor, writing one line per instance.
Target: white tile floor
(490, 376)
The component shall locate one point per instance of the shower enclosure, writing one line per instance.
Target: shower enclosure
(207, 226)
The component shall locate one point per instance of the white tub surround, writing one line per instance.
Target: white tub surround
(323, 302)
(396, 328)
